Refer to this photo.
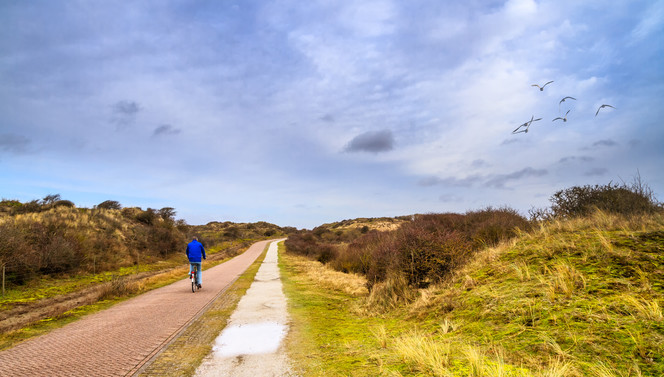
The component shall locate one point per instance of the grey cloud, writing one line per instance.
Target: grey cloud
(166, 129)
(13, 143)
(634, 143)
(605, 143)
(128, 108)
(594, 172)
(575, 159)
(372, 141)
(479, 163)
(449, 198)
(329, 118)
(450, 181)
(499, 181)
(124, 112)
(510, 141)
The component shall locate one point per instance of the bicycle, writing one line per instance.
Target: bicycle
(192, 276)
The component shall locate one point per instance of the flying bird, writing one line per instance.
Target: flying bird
(526, 125)
(600, 108)
(564, 119)
(563, 100)
(541, 88)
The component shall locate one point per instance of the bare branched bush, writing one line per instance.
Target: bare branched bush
(624, 199)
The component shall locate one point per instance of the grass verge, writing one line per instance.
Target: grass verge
(576, 298)
(327, 336)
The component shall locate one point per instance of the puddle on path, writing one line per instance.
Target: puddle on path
(249, 339)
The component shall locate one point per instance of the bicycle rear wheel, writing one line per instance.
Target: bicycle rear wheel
(193, 283)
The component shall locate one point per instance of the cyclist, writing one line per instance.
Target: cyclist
(196, 251)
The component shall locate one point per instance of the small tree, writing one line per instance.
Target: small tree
(109, 204)
(50, 199)
(147, 217)
(167, 213)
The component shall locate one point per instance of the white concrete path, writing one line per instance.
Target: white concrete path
(251, 343)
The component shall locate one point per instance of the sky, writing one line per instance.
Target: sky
(304, 113)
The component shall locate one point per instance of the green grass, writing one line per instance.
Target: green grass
(575, 298)
(326, 337)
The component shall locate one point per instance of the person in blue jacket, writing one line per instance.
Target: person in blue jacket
(196, 251)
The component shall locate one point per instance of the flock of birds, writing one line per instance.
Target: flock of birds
(524, 127)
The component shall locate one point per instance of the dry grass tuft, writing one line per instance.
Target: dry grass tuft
(447, 326)
(428, 355)
(119, 286)
(380, 333)
(642, 308)
(564, 279)
(521, 269)
(352, 284)
(390, 294)
(558, 369)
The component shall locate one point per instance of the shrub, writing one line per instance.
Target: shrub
(358, 256)
(50, 199)
(427, 257)
(64, 203)
(621, 199)
(9, 206)
(326, 253)
(303, 244)
(489, 226)
(167, 213)
(58, 239)
(147, 217)
(109, 204)
(29, 207)
(422, 251)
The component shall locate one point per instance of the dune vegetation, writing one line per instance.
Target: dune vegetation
(60, 260)
(577, 290)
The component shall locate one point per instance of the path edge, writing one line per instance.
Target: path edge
(148, 360)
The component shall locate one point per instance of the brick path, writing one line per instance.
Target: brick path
(119, 340)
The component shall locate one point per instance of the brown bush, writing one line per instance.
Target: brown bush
(326, 253)
(489, 226)
(423, 251)
(624, 199)
(427, 257)
(358, 256)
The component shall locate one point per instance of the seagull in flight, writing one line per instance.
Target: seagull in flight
(564, 119)
(526, 125)
(563, 100)
(541, 88)
(600, 108)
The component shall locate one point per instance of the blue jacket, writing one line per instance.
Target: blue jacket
(195, 251)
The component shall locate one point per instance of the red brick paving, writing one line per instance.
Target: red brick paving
(119, 340)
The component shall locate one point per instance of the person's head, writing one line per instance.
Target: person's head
(195, 238)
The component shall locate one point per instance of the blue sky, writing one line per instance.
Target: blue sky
(303, 113)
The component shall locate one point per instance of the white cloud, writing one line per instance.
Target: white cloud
(274, 91)
(651, 22)
(369, 18)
